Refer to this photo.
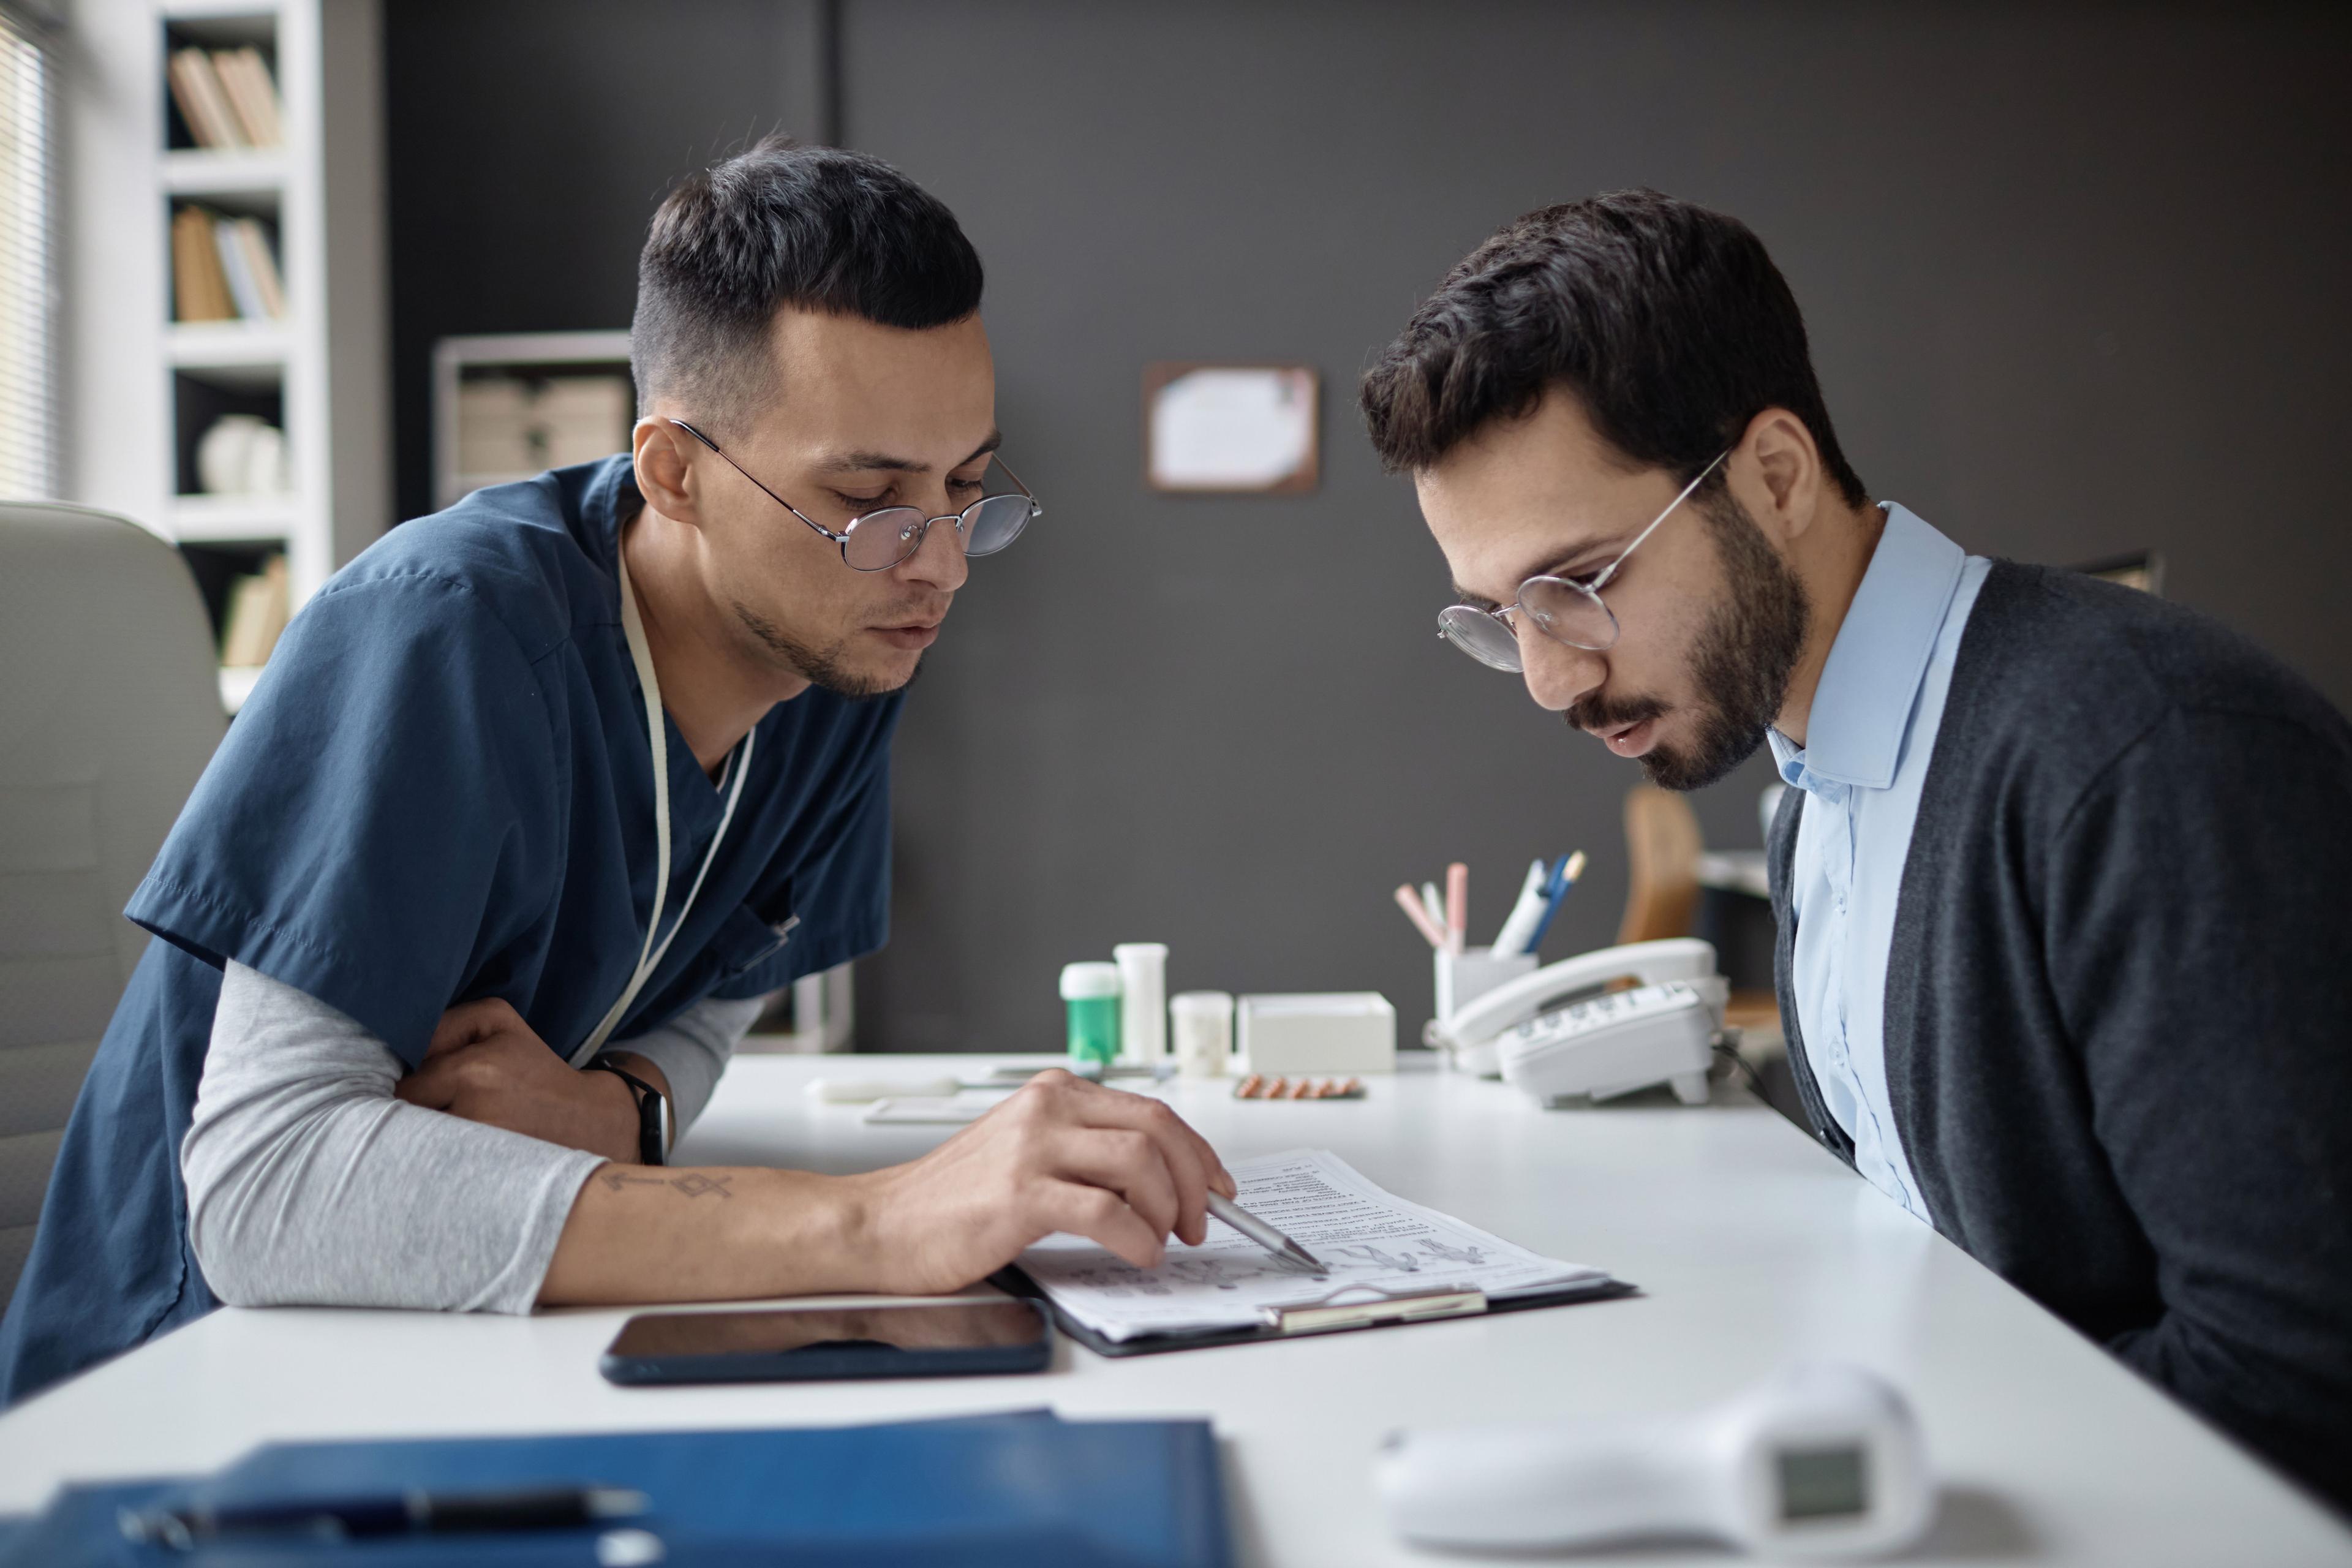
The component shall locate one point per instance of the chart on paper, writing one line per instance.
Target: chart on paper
(1363, 1234)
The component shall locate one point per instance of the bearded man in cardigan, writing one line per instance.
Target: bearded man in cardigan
(2061, 871)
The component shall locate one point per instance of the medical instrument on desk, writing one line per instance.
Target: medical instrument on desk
(1563, 877)
(1527, 913)
(1821, 1461)
(1457, 907)
(1542, 1033)
(1432, 931)
(1264, 1235)
(411, 1512)
(1258, 1086)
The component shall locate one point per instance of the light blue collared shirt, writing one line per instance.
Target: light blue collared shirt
(1868, 741)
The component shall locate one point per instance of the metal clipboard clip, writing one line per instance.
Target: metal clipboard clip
(1327, 1313)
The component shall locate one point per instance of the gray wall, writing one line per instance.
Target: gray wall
(2075, 276)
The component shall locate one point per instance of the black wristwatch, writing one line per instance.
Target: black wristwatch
(649, 1112)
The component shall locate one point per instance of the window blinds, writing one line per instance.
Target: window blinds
(28, 379)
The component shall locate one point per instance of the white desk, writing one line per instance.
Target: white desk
(1752, 1244)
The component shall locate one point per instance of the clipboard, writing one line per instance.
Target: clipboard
(1325, 1315)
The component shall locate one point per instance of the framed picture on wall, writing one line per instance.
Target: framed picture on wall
(1230, 429)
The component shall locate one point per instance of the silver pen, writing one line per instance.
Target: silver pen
(1264, 1235)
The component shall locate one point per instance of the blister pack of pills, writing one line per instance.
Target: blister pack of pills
(1258, 1086)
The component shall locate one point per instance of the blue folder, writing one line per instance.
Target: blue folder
(1012, 1490)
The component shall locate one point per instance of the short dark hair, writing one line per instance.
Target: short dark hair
(1668, 321)
(782, 225)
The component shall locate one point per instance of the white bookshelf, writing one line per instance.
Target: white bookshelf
(194, 172)
(533, 355)
(233, 520)
(143, 385)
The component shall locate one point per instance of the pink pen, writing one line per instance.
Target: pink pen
(1410, 902)
(1458, 907)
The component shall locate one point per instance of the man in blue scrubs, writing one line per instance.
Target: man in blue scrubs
(538, 796)
(2055, 857)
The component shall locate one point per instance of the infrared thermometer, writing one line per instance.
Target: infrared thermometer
(1821, 1461)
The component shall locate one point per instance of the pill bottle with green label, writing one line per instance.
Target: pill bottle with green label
(1090, 995)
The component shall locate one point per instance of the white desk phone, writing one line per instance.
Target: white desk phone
(1559, 1032)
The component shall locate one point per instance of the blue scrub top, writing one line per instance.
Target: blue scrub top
(442, 791)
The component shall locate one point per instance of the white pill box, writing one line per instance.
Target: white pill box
(1327, 1032)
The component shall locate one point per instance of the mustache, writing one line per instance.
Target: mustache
(930, 612)
(1592, 712)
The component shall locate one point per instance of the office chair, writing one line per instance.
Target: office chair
(110, 708)
(1662, 846)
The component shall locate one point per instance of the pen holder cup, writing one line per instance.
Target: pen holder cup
(1460, 981)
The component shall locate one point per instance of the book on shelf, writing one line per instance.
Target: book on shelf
(259, 607)
(494, 434)
(204, 102)
(510, 426)
(224, 269)
(261, 256)
(585, 417)
(199, 286)
(244, 76)
(226, 96)
(243, 292)
(250, 268)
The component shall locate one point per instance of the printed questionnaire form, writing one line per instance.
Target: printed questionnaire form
(1365, 1237)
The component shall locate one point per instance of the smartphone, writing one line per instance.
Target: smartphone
(918, 1339)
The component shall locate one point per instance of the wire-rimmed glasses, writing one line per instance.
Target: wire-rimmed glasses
(877, 540)
(1562, 608)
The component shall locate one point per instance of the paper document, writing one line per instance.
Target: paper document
(1362, 1235)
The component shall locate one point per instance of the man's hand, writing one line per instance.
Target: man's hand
(486, 1065)
(1061, 1154)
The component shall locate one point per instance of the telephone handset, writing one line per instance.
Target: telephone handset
(1560, 1032)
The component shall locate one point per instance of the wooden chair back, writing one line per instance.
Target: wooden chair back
(1661, 843)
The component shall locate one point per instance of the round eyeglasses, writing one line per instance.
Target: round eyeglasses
(1565, 609)
(878, 541)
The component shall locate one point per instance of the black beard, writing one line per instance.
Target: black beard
(819, 667)
(1740, 665)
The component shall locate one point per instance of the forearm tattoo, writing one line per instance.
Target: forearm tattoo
(693, 1184)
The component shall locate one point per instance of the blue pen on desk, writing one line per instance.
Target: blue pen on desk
(1563, 878)
(411, 1512)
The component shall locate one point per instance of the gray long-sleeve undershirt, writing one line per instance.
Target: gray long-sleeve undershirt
(310, 1183)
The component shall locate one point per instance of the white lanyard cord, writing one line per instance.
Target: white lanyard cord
(650, 956)
(739, 765)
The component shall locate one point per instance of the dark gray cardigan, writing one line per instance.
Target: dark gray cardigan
(2119, 999)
